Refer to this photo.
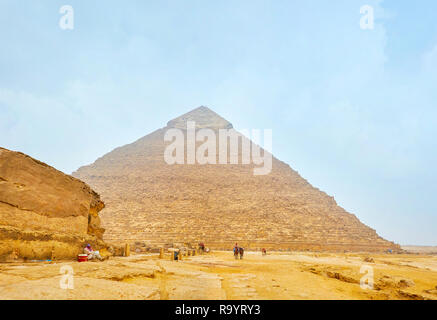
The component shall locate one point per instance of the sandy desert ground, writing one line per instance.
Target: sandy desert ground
(218, 275)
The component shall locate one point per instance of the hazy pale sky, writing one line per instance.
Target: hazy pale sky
(352, 110)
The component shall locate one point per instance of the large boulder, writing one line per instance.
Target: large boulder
(44, 213)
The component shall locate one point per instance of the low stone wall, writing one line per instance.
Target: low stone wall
(38, 245)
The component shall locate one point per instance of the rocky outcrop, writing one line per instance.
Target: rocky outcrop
(44, 213)
(151, 201)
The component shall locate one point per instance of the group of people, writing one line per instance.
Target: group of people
(238, 251)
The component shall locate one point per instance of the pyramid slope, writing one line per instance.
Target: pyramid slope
(148, 200)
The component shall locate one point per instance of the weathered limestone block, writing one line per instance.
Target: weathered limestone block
(45, 213)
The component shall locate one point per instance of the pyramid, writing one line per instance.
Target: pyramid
(148, 200)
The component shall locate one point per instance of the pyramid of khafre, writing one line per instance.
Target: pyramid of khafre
(151, 201)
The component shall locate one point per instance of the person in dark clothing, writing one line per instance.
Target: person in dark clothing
(241, 252)
(201, 247)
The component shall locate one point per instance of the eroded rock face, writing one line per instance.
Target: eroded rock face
(151, 201)
(43, 210)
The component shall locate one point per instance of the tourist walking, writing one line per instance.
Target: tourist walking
(241, 251)
(201, 247)
(236, 251)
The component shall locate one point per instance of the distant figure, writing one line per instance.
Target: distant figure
(201, 247)
(241, 252)
(91, 253)
(236, 251)
(264, 251)
(176, 255)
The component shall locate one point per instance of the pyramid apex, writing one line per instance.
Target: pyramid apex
(203, 116)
